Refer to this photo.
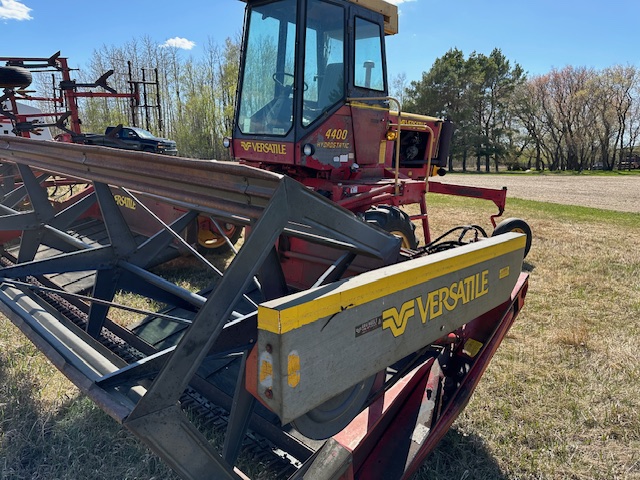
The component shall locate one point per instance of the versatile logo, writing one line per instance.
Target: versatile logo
(368, 326)
(436, 302)
(126, 202)
(416, 123)
(264, 147)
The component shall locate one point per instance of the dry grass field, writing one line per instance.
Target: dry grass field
(560, 400)
(617, 191)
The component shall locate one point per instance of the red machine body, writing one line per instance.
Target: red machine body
(319, 110)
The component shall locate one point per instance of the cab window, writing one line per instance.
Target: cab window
(266, 100)
(368, 67)
(323, 59)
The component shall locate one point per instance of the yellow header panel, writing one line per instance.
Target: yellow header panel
(288, 313)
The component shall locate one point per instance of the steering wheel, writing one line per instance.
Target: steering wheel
(286, 74)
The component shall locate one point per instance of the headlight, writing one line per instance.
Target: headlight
(308, 149)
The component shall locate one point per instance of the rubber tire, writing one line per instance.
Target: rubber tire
(221, 249)
(15, 77)
(332, 416)
(394, 220)
(515, 225)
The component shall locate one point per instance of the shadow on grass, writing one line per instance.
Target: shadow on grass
(20, 420)
(70, 440)
(460, 457)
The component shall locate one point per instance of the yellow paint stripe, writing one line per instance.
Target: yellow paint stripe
(416, 117)
(382, 154)
(394, 113)
(366, 106)
(286, 314)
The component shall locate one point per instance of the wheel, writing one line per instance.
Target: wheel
(14, 77)
(336, 413)
(394, 221)
(515, 225)
(209, 239)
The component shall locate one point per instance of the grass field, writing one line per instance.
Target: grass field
(560, 400)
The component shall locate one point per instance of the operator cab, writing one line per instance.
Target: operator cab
(302, 60)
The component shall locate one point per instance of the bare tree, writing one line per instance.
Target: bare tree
(399, 85)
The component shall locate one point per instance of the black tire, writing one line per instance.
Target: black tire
(335, 414)
(14, 77)
(394, 221)
(515, 225)
(212, 243)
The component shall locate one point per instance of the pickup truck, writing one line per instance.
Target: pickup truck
(629, 162)
(130, 138)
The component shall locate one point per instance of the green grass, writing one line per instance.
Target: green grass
(570, 213)
(576, 213)
(592, 173)
(560, 399)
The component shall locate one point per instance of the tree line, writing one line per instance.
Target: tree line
(572, 118)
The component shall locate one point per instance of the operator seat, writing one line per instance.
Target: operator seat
(332, 87)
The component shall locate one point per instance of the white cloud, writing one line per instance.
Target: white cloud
(178, 42)
(14, 10)
(398, 2)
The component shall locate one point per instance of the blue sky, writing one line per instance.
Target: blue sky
(539, 35)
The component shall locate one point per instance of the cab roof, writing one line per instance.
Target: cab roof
(388, 11)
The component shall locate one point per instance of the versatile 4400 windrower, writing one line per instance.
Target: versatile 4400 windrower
(332, 340)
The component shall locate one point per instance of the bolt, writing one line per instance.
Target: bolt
(268, 393)
(268, 348)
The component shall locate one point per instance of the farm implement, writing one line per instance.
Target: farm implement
(329, 344)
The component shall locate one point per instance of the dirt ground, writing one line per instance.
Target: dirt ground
(621, 193)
